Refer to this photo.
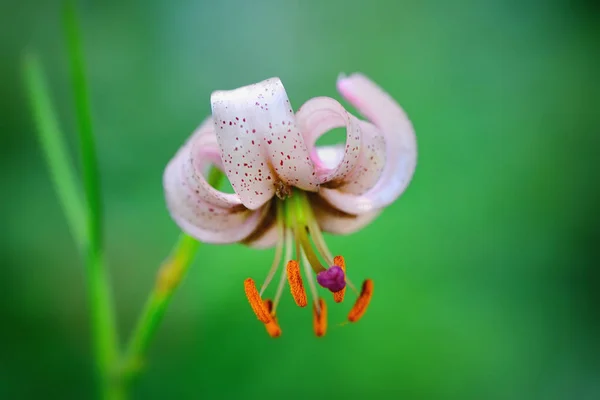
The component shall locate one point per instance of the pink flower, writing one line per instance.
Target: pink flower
(288, 190)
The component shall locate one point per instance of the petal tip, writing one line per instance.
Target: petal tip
(345, 82)
(341, 81)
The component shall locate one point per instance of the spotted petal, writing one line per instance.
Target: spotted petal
(318, 116)
(400, 142)
(368, 166)
(200, 210)
(259, 141)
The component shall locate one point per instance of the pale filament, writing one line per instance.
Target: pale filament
(311, 280)
(278, 251)
(288, 256)
(319, 241)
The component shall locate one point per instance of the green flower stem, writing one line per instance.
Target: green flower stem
(170, 275)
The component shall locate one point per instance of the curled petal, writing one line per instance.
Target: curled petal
(318, 116)
(369, 166)
(327, 157)
(334, 221)
(401, 148)
(199, 153)
(199, 209)
(260, 142)
(371, 161)
(235, 230)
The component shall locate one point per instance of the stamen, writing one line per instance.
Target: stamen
(296, 285)
(288, 256)
(338, 296)
(311, 279)
(272, 327)
(262, 313)
(320, 317)
(303, 240)
(351, 285)
(360, 307)
(278, 249)
(269, 304)
(319, 240)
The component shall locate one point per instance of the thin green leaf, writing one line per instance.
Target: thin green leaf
(100, 297)
(55, 151)
(91, 176)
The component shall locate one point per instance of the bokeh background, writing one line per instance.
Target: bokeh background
(486, 269)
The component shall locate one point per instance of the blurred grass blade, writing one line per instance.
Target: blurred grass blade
(55, 151)
(100, 299)
(89, 159)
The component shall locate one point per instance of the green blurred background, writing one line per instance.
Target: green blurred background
(485, 270)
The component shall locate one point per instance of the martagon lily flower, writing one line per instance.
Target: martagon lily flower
(287, 190)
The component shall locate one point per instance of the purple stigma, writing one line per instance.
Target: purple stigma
(333, 279)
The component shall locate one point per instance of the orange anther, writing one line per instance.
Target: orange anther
(296, 285)
(259, 308)
(272, 327)
(269, 304)
(360, 307)
(338, 296)
(320, 318)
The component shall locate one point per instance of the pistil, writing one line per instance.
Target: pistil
(332, 278)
